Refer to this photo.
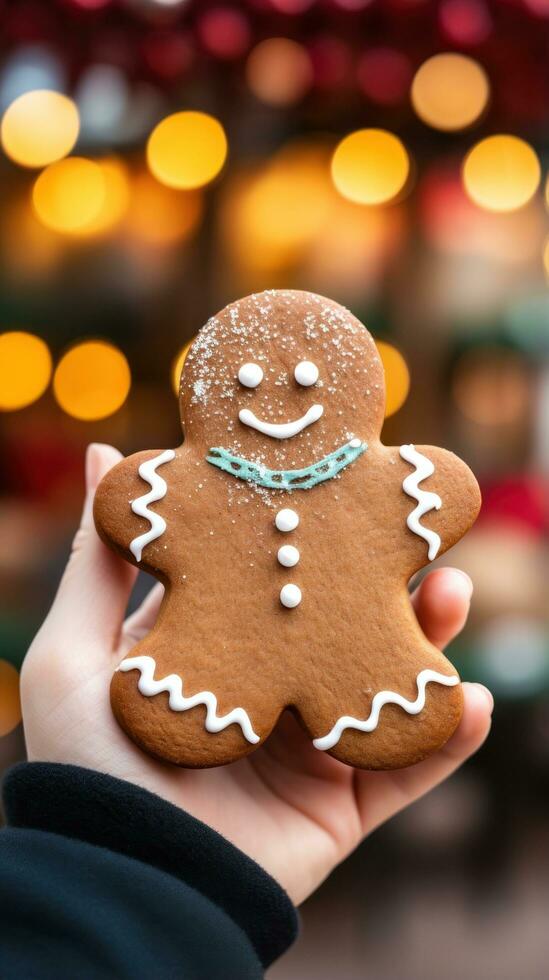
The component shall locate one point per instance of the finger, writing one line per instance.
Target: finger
(96, 585)
(143, 619)
(442, 604)
(382, 794)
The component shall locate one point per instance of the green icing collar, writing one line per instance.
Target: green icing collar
(303, 479)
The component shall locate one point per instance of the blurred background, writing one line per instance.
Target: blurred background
(160, 158)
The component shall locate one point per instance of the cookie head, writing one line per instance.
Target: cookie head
(282, 376)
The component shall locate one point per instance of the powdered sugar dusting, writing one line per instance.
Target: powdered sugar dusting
(277, 329)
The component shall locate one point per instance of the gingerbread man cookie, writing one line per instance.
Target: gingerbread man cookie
(286, 534)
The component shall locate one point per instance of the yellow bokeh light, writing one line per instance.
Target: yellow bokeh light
(501, 173)
(187, 150)
(397, 377)
(370, 166)
(450, 91)
(92, 380)
(272, 215)
(69, 195)
(25, 369)
(177, 366)
(159, 216)
(115, 200)
(279, 71)
(351, 252)
(286, 204)
(10, 703)
(39, 127)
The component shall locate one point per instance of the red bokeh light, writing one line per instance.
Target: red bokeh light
(538, 7)
(465, 22)
(331, 61)
(224, 32)
(89, 4)
(384, 76)
(292, 6)
(352, 5)
(516, 500)
(168, 54)
(446, 212)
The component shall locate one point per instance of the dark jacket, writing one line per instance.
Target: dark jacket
(99, 878)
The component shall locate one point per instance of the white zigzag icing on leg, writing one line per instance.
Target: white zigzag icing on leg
(385, 697)
(140, 506)
(178, 702)
(426, 501)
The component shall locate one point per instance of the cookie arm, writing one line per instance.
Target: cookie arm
(442, 495)
(126, 507)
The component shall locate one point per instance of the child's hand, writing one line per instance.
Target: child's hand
(295, 810)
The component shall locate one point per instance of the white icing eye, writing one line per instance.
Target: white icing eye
(250, 375)
(306, 373)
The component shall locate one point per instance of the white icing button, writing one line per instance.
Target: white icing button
(290, 596)
(355, 443)
(250, 375)
(306, 373)
(286, 519)
(288, 555)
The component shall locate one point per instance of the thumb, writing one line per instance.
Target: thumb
(382, 794)
(96, 585)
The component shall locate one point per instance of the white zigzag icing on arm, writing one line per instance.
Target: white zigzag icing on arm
(140, 506)
(178, 702)
(385, 697)
(426, 501)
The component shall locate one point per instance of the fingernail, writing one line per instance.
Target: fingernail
(487, 694)
(467, 580)
(92, 466)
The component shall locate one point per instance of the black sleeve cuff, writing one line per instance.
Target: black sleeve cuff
(98, 809)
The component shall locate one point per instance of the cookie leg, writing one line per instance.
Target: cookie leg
(377, 733)
(169, 713)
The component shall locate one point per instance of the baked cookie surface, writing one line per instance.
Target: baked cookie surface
(286, 535)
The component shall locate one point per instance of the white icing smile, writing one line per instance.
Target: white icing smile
(281, 430)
